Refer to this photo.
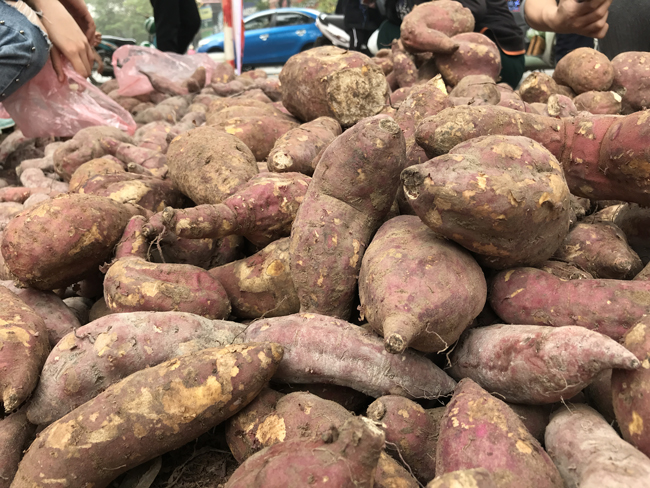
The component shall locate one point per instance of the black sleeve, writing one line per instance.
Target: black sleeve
(478, 7)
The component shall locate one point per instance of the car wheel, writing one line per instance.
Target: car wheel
(307, 46)
(322, 41)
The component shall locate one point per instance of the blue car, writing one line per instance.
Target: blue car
(271, 36)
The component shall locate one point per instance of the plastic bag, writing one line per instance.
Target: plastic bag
(45, 107)
(129, 62)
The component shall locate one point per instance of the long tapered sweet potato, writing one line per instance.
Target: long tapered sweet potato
(476, 197)
(321, 349)
(260, 285)
(601, 249)
(476, 55)
(346, 458)
(63, 240)
(333, 82)
(534, 364)
(262, 210)
(584, 69)
(445, 288)
(589, 453)
(533, 296)
(480, 431)
(208, 165)
(296, 149)
(147, 414)
(352, 190)
(15, 432)
(106, 350)
(23, 349)
(631, 390)
(464, 478)
(411, 432)
(391, 474)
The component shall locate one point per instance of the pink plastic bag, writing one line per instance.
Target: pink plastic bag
(129, 62)
(45, 107)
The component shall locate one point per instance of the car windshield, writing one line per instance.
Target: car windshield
(292, 18)
(261, 22)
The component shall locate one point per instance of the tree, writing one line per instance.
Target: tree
(123, 18)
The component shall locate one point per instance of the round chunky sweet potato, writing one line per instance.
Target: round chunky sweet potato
(583, 70)
(476, 55)
(94, 167)
(537, 87)
(478, 88)
(632, 80)
(597, 102)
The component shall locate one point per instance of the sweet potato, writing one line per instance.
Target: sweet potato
(15, 432)
(94, 167)
(406, 73)
(584, 69)
(480, 431)
(565, 271)
(537, 87)
(15, 194)
(159, 113)
(223, 73)
(479, 87)
(598, 102)
(204, 253)
(208, 165)
(63, 240)
(127, 103)
(534, 417)
(461, 197)
(9, 210)
(333, 82)
(534, 365)
(83, 147)
(352, 191)
(35, 178)
(260, 285)
(476, 55)
(385, 63)
(23, 349)
(411, 432)
(601, 249)
(327, 350)
(589, 453)
(221, 108)
(631, 80)
(45, 164)
(271, 87)
(407, 262)
(147, 414)
(228, 89)
(109, 86)
(631, 390)
(153, 136)
(190, 120)
(348, 398)
(429, 27)
(532, 296)
(464, 478)
(129, 153)
(399, 96)
(345, 457)
(599, 395)
(297, 149)
(560, 106)
(391, 474)
(110, 348)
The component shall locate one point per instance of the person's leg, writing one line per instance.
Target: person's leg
(512, 68)
(24, 50)
(168, 25)
(388, 32)
(190, 23)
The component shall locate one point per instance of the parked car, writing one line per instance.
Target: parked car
(271, 36)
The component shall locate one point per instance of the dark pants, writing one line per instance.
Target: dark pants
(177, 22)
(359, 39)
(512, 68)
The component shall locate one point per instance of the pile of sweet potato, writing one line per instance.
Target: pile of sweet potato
(360, 274)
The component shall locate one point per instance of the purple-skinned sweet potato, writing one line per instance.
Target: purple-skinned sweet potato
(464, 478)
(260, 285)
(153, 136)
(147, 158)
(321, 349)
(92, 168)
(599, 395)
(15, 432)
(601, 249)
(565, 271)
(297, 149)
(584, 69)
(351, 193)
(391, 474)
(23, 349)
(480, 431)
(532, 296)
(476, 55)
(631, 80)
(208, 165)
(147, 414)
(404, 69)
(442, 283)
(349, 398)
(537, 87)
(598, 102)
(345, 458)
(533, 364)
(462, 197)
(65, 239)
(631, 390)
(589, 453)
(478, 88)
(333, 82)
(560, 106)
(86, 362)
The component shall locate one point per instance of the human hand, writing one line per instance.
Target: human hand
(588, 18)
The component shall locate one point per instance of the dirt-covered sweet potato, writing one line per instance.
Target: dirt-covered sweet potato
(162, 113)
(345, 458)
(599, 395)
(475, 197)
(63, 240)
(297, 149)
(129, 153)
(404, 69)
(589, 453)
(476, 55)
(443, 284)
(464, 478)
(106, 350)
(560, 106)
(411, 432)
(429, 27)
(190, 120)
(598, 102)
(333, 82)
(391, 474)
(480, 431)
(84, 146)
(208, 164)
(385, 63)
(223, 73)
(565, 271)
(631, 80)
(15, 432)
(15, 194)
(478, 87)
(584, 69)
(631, 390)
(23, 349)
(153, 136)
(260, 285)
(320, 349)
(349, 398)
(533, 296)
(92, 168)
(147, 414)
(601, 249)
(351, 193)
(533, 364)
(537, 87)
